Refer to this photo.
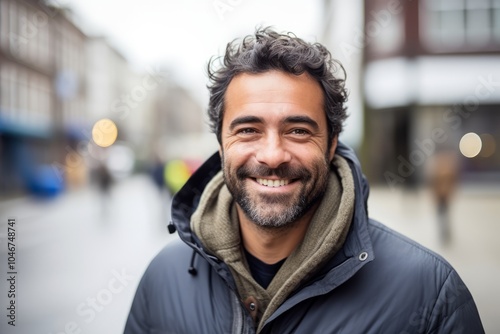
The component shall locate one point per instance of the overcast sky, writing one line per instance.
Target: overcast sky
(185, 34)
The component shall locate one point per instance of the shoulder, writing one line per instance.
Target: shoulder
(413, 270)
(172, 251)
(437, 293)
(169, 297)
(391, 245)
(172, 258)
(170, 270)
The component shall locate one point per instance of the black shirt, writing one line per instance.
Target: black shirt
(262, 272)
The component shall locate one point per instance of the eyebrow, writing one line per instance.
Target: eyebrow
(289, 119)
(302, 119)
(244, 120)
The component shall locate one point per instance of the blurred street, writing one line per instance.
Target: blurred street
(79, 262)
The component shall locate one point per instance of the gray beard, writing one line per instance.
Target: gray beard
(274, 220)
(288, 210)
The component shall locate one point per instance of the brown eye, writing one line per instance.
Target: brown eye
(246, 131)
(300, 132)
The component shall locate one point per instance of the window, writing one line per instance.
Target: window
(4, 88)
(23, 111)
(33, 98)
(4, 27)
(22, 37)
(458, 24)
(496, 20)
(13, 29)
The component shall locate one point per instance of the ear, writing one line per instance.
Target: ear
(333, 147)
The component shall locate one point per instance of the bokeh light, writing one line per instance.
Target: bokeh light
(470, 145)
(104, 132)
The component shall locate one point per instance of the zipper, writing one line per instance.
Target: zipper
(241, 321)
(238, 315)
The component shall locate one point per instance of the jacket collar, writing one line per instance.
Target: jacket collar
(358, 240)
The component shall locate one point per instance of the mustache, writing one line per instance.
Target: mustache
(282, 172)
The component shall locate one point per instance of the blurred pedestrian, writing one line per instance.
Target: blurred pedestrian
(157, 174)
(443, 177)
(104, 182)
(274, 232)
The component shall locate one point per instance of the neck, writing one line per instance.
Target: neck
(271, 245)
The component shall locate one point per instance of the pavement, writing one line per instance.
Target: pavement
(79, 257)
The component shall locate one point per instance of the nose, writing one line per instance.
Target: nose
(273, 152)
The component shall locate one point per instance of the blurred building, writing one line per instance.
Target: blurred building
(107, 77)
(57, 82)
(71, 117)
(41, 96)
(179, 126)
(342, 21)
(432, 75)
(108, 81)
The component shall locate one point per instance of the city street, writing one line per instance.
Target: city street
(78, 260)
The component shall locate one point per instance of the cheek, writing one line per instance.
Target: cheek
(238, 154)
(231, 160)
(308, 153)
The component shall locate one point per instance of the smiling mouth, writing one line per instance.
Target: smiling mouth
(272, 183)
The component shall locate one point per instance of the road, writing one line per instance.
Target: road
(80, 257)
(78, 261)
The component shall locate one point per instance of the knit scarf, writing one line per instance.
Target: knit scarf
(216, 224)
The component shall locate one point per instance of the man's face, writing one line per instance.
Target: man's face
(274, 146)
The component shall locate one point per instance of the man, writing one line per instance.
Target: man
(274, 232)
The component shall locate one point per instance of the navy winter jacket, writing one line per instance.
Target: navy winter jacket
(378, 282)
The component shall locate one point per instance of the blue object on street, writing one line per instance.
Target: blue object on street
(45, 182)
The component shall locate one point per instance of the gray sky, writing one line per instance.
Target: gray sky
(185, 34)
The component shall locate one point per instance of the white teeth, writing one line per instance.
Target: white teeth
(273, 183)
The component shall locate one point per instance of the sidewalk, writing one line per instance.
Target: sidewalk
(473, 250)
(78, 250)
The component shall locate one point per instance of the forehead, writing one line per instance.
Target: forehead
(274, 94)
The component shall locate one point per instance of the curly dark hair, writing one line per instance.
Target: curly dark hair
(268, 50)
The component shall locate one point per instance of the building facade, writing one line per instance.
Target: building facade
(431, 76)
(57, 82)
(29, 114)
